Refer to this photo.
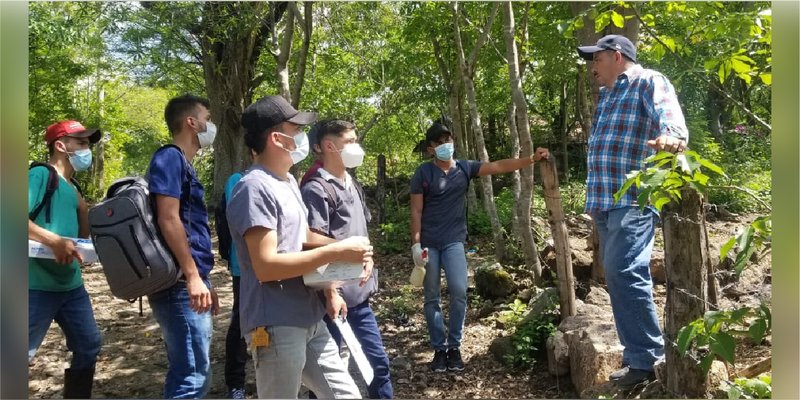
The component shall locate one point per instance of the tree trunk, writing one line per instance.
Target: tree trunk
(99, 164)
(586, 35)
(521, 132)
(307, 23)
(380, 189)
(230, 78)
(564, 130)
(555, 212)
(515, 176)
(686, 263)
(598, 273)
(480, 145)
(282, 57)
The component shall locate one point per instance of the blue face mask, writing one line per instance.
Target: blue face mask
(444, 151)
(81, 160)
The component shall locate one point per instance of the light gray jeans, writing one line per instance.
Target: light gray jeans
(301, 355)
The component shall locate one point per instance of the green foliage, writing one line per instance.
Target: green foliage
(662, 183)
(514, 314)
(751, 388)
(400, 304)
(529, 337)
(394, 234)
(711, 337)
(753, 238)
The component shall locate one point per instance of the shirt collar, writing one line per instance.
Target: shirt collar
(633, 71)
(329, 177)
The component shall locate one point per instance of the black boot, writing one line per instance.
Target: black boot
(78, 383)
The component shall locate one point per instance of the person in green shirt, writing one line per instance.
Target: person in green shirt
(55, 286)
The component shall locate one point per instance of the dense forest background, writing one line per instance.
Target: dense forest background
(504, 76)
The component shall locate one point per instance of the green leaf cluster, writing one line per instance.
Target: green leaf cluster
(753, 237)
(712, 336)
(530, 336)
(759, 387)
(662, 183)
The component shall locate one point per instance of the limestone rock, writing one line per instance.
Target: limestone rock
(598, 296)
(500, 347)
(557, 355)
(493, 282)
(542, 302)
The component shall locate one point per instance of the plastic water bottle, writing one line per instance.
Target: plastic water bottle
(418, 273)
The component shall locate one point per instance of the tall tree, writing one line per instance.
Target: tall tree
(224, 39)
(520, 130)
(467, 67)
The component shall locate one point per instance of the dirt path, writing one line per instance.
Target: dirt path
(133, 362)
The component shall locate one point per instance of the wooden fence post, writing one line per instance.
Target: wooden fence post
(598, 273)
(555, 212)
(686, 264)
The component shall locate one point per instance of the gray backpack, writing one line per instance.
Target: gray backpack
(134, 255)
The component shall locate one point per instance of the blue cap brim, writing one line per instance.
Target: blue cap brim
(586, 52)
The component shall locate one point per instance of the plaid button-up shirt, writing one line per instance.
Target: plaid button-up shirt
(641, 106)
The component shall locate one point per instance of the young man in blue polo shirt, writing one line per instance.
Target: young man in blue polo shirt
(281, 317)
(438, 223)
(55, 287)
(336, 208)
(184, 311)
(637, 114)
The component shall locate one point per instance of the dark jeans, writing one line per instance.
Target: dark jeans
(365, 327)
(72, 311)
(235, 346)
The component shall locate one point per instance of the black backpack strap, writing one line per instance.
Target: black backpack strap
(360, 191)
(52, 186)
(333, 198)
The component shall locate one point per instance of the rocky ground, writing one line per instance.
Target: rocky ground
(133, 361)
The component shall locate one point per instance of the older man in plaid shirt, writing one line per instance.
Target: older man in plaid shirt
(637, 113)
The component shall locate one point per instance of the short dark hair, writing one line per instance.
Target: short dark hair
(181, 107)
(436, 132)
(257, 140)
(328, 127)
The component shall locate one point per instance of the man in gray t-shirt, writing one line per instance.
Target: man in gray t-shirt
(280, 317)
(336, 208)
(438, 223)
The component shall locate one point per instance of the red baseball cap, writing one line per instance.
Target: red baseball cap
(73, 129)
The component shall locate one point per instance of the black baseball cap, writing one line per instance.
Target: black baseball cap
(270, 111)
(609, 42)
(436, 131)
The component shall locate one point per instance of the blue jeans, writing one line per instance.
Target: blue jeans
(626, 242)
(452, 259)
(187, 336)
(365, 327)
(72, 311)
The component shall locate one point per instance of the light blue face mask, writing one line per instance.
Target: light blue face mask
(301, 149)
(81, 160)
(444, 151)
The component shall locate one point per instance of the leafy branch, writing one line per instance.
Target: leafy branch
(662, 183)
(712, 336)
(754, 237)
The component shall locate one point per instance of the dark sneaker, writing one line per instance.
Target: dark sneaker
(439, 363)
(634, 377)
(236, 393)
(618, 374)
(454, 362)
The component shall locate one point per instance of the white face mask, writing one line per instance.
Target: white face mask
(301, 147)
(352, 155)
(206, 138)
